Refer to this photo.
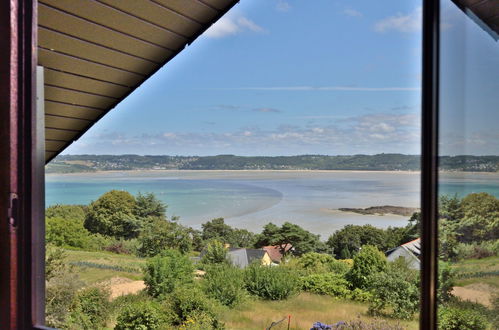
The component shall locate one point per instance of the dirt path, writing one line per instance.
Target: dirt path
(478, 292)
(119, 286)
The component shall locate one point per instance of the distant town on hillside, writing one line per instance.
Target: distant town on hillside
(380, 162)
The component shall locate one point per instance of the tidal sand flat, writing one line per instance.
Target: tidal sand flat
(250, 199)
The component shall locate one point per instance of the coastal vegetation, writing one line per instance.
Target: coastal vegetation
(185, 279)
(379, 162)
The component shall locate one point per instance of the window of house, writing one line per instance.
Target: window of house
(468, 204)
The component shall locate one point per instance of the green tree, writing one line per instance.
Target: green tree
(241, 238)
(449, 208)
(345, 243)
(69, 212)
(197, 239)
(66, 232)
(160, 234)
(113, 215)
(163, 273)
(368, 261)
(266, 238)
(302, 240)
(148, 206)
(480, 220)
(216, 253)
(216, 229)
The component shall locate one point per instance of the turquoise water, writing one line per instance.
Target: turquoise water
(250, 199)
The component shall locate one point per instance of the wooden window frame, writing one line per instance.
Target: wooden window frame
(22, 285)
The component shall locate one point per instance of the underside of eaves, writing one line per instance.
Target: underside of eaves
(96, 52)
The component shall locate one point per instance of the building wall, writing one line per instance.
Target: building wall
(411, 259)
(266, 261)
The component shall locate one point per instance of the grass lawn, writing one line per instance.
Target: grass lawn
(472, 271)
(100, 266)
(305, 309)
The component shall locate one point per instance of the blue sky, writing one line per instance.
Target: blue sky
(276, 77)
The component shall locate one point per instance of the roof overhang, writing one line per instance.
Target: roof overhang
(96, 52)
(484, 12)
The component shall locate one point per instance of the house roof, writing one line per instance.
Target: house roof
(414, 247)
(95, 53)
(244, 257)
(484, 12)
(274, 251)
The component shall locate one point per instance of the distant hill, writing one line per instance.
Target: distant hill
(380, 162)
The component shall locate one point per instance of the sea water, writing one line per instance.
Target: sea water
(250, 199)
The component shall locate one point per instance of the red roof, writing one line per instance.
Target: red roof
(274, 251)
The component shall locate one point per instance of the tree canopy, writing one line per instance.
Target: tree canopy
(217, 229)
(301, 240)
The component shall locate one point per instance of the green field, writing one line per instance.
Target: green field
(473, 271)
(95, 267)
(305, 309)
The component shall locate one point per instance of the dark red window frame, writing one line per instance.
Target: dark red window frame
(22, 285)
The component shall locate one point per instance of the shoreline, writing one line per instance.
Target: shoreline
(236, 171)
(102, 172)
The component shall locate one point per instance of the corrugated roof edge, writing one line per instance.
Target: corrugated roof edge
(201, 31)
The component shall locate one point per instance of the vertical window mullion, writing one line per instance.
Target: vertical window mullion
(429, 164)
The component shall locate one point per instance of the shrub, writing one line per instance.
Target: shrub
(446, 282)
(394, 292)
(216, 253)
(122, 246)
(489, 313)
(368, 261)
(98, 242)
(314, 262)
(60, 296)
(224, 283)
(393, 296)
(140, 315)
(450, 318)
(188, 306)
(66, 232)
(160, 234)
(91, 308)
(124, 301)
(70, 212)
(163, 273)
(360, 295)
(272, 283)
(54, 261)
(329, 284)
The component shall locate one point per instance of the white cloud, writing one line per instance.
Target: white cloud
(243, 22)
(373, 133)
(229, 26)
(267, 110)
(283, 5)
(410, 22)
(352, 12)
(169, 135)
